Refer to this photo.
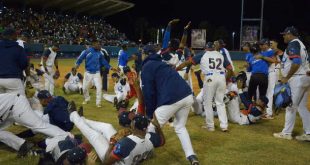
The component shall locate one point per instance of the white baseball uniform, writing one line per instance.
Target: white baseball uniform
(225, 52)
(74, 82)
(300, 85)
(121, 92)
(212, 65)
(48, 78)
(15, 108)
(233, 109)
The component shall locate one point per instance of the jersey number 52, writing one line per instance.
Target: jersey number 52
(215, 63)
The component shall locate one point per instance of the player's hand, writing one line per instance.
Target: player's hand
(188, 25)
(284, 80)
(185, 76)
(174, 21)
(91, 158)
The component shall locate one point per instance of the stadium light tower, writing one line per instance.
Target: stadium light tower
(251, 19)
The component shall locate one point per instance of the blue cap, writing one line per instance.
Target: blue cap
(76, 155)
(44, 94)
(264, 41)
(209, 45)
(123, 119)
(290, 30)
(141, 122)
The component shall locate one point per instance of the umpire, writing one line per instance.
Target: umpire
(13, 61)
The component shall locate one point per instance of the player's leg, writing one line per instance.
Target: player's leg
(219, 100)
(13, 85)
(304, 113)
(179, 125)
(86, 82)
(66, 86)
(11, 140)
(263, 84)
(209, 89)
(252, 86)
(96, 139)
(107, 130)
(109, 98)
(98, 84)
(51, 80)
(24, 115)
(272, 77)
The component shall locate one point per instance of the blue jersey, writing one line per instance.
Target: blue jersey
(94, 60)
(258, 65)
(122, 58)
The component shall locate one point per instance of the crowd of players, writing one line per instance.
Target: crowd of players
(160, 81)
(52, 27)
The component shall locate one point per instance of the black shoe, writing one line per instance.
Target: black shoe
(81, 91)
(64, 90)
(81, 111)
(24, 149)
(71, 107)
(193, 160)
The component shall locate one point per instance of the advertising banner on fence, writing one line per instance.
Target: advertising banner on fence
(198, 38)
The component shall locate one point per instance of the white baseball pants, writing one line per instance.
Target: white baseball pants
(273, 78)
(97, 133)
(71, 87)
(12, 85)
(300, 86)
(96, 78)
(180, 110)
(24, 115)
(215, 87)
(49, 80)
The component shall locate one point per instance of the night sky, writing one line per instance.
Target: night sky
(277, 14)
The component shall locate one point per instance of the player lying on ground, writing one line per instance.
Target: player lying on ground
(133, 148)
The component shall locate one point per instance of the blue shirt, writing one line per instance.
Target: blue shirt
(247, 59)
(258, 65)
(122, 58)
(94, 60)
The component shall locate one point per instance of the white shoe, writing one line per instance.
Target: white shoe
(283, 136)
(211, 129)
(304, 137)
(85, 102)
(224, 129)
(99, 105)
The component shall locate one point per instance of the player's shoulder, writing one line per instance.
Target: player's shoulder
(124, 147)
(294, 44)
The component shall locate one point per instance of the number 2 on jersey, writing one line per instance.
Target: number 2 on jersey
(215, 63)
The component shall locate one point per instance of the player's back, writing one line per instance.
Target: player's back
(141, 149)
(212, 62)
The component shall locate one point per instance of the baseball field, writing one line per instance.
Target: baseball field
(242, 145)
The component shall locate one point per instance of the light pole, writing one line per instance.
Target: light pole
(233, 40)
(162, 32)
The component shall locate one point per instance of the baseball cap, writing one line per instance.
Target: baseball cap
(8, 32)
(221, 42)
(290, 30)
(76, 155)
(44, 94)
(264, 99)
(140, 122)
(209, 45)
(126, 69)
(264, 41)
(124, 118)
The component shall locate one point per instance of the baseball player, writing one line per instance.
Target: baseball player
(295, 67)
(264, 45)
(94, 60)
(73, 82)
(246, 49)
(131, 149)
(213, 66)
(166, 94)
(104, 71)
(123, 57)
(48, 60)
(225, 52)
(13, 61)
(15, 108)
(121, 89)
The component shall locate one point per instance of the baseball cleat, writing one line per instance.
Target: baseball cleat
(85, 102)
(267, 117)
(24, 149)
(304, 137)
(193, 160)
(283, 136)
(224, 129)
(71, 107)
(98, 105)
(211, 129)
(81, 111)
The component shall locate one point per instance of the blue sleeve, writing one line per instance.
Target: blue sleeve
(269, 53)
(226, 63)
(296, 61)
(196, 59)
(81, 57)
(245, 99)
(80, 76)
(123, 148)
(166, 38)
(155, 139)
(148, 89)
(104, 63)
(293, 50)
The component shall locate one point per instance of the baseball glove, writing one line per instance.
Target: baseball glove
(56, 75)
(119, 135)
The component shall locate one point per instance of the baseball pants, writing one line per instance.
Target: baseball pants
(12, 85)
(88, 79)
(109, 98)
(24, 115)
(180, 110)
(198, 103)
(49, 83)
(259, 80)
(233, 109)
(300, 86)
(215, 87)
(97, 133)
(273, 78)
(73, 87)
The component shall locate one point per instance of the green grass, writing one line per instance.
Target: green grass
(242, 145)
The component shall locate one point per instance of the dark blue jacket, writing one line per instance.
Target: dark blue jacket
(58, 114)
(161, 84)
(13, 59)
